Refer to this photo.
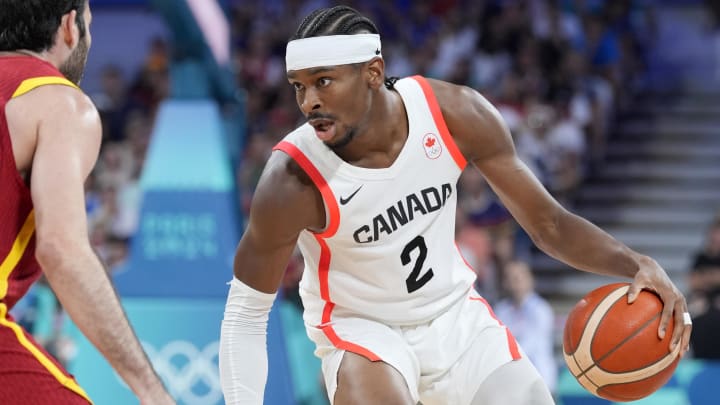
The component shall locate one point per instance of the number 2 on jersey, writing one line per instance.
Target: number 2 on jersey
(414, 281)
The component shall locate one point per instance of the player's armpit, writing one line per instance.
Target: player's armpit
(283, 206)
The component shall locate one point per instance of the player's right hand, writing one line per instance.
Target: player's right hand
(651, 276)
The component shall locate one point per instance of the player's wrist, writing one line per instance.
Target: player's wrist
(148, 387)
(154, 394)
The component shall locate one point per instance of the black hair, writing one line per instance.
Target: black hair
(32, 24)
(338, 20)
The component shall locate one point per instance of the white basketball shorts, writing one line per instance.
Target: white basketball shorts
(443, 361)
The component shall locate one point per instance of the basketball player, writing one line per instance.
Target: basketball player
(367, 189)
(49, 140)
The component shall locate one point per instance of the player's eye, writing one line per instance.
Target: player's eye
(297, 86)
(323, 81)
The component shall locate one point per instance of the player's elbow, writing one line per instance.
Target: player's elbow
(49, 252)
(53, 250)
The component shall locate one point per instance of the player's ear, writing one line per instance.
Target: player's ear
(375, 73)
(68, 31)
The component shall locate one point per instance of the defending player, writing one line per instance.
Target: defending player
(49, 140)
(367, 189)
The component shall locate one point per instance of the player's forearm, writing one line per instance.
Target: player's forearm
(584, 246)
(243, 348)
(84, 289)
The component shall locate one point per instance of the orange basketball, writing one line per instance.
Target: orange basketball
(612, 347)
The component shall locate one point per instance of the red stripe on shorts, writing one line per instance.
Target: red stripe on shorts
(512, 343)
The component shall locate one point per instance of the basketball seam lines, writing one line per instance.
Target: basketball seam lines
(596, 362)
(637, 331)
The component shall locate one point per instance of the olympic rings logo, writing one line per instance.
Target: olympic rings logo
(191, 375)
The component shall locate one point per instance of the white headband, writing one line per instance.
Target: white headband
(331, 50)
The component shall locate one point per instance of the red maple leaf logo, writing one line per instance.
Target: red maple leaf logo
(430, 142)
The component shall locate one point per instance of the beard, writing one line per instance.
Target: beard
(342, 142)
(74, 67)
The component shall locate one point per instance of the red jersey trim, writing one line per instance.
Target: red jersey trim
(320, 183)
(440, 122)
(325, 254)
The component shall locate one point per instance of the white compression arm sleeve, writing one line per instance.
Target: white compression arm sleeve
(243, 346)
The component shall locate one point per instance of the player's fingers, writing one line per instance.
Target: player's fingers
(687, 331)
(634, 291)
(686, 326)
(668, 307)
(679, 328)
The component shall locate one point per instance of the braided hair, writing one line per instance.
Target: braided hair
(338, 20)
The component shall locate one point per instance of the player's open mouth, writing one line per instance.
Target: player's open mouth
(324, 129)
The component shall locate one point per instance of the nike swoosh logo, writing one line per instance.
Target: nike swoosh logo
(344, 201)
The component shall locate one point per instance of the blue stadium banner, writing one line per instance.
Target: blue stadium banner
(181, 337)
(189, 225)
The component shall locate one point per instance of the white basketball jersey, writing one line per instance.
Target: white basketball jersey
(388, 252)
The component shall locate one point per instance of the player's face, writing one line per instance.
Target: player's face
(74, 67)
(333, 99)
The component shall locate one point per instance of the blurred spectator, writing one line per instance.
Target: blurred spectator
(531, 142)
(704, 277)
(706, 329)
(111, 102)
(257, 150)
(456, 40)
(552, 144)
(530, 319)
(258, 67)
(475, 246)
(158, 56)
(485, 231)
(115, 166)
(704, 296)
(566, 152)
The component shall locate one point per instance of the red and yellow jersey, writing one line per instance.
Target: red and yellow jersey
(18, 266)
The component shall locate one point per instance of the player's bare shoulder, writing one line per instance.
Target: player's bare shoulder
(54, 104)
(48, 109)
(60, 99)
(286, 197)
(475, 124)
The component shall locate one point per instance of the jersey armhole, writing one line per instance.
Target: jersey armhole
(331, 205)
(447, 138)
